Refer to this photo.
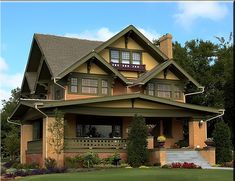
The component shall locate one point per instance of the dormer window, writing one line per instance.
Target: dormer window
(127, 60)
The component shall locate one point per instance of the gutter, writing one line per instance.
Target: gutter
(220, 115)
(11, 122)
(193, 93)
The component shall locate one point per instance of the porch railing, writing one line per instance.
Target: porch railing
(95, 143)
(34, 146)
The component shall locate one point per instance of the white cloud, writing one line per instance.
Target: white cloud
(8, 81)
(104, 34)
(191, 11)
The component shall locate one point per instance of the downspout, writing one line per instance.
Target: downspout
(54, 80)
(36, 107)
(198, 92)
(220, 115)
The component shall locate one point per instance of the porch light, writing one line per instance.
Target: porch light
(200, 123)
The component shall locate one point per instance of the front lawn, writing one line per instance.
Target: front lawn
(139, 174)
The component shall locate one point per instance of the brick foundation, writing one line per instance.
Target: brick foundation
(34, 158)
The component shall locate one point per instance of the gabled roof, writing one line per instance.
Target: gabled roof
(91, 56)
(138, 35)
(159, 68)
(62, 52)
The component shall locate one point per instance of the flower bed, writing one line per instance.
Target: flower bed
(181, 165)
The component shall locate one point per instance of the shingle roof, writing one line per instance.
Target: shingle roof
(61, 52)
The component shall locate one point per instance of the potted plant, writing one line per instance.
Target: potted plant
(209, 142)
(161, 141)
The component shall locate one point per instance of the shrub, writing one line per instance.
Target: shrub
(75, 162)
(50, 163)
(89, 159)
(222, 136)
(166, 166)
(189, 165)
(137, 142)
(10, 163)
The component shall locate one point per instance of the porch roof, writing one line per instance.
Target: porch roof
(83, 104)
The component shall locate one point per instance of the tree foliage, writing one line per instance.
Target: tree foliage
(137, 142)
(212, 66)
(222, 139)
(9, 131)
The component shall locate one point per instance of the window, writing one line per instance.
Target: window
(164, 90)
(37, 130)
(74, 85)
(90, 86)
(167, 127)
(151, 89)
(114, 56)
(98, 131)
(126, 57)
(177, 93)
(104, 87)
(136, 58)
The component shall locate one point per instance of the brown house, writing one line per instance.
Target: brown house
(99, 87)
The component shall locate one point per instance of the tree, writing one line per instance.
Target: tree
(56, 129)
(7, 128)
(12, 143)
(222, 139)
(137, 142)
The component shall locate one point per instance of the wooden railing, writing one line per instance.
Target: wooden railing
(95, 143)
(130, 67)
(34, 146)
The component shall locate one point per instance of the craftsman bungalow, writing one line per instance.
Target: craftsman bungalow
(99, 87)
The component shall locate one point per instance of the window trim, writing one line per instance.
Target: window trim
(81, 76)
(131, 51)
(172, 83)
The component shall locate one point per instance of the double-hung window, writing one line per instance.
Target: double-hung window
(126, 57)
(151, 89)
(136, 58)
(104, 87)
(90, 86)
(177, 93)
(74, 85)
(114, 56)
(164, 90)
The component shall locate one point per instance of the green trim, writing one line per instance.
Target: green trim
(98, 57)
(97, 77)
(138, 33)
(120, 50)
(48, 104)
(172, 83)
(159, 68)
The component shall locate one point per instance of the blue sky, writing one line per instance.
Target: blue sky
(101, 20)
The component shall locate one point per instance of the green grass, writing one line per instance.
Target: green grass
(138, 174)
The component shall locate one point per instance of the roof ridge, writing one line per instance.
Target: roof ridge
(67, 37)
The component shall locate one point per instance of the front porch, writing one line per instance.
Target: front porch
(106, 135)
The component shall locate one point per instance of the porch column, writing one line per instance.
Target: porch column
(197, 133)
(26, 135)
(48, 150)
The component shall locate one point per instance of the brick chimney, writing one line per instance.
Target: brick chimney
(166, 45)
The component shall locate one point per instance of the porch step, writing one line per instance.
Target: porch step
(191, 156)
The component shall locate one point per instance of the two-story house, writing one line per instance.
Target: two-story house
(99, 87)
